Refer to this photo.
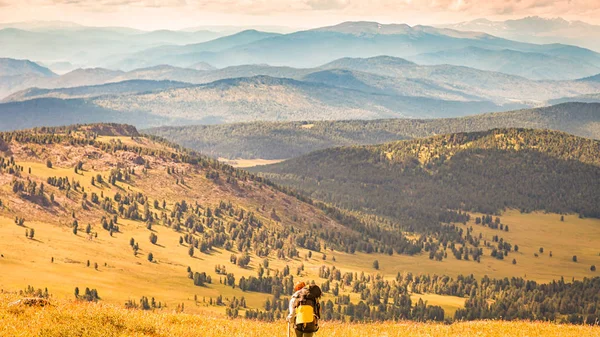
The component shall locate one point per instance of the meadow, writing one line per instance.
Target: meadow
(122, 276)
(71, 318)
(57, 259)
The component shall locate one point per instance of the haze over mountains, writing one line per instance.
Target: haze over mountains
(86, 46)
(61, 44)
(353, 70)
(314, 47)
(537, 66)
(535, 29)
(348, 88)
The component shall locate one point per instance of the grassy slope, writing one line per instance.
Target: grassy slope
(125, 276)
(66, 319)
(128, 277)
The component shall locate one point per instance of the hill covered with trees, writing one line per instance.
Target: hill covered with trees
(283, 140)
(103, 213)
(418, 181)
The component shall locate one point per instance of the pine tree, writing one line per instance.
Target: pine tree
(376, 265)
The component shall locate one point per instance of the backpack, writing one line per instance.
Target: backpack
(308, 309)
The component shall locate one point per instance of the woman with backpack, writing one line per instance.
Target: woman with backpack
(305, 310)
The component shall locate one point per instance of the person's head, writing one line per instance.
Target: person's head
(299, 286)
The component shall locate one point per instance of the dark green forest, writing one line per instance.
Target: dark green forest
(283, 140)
(416, 182)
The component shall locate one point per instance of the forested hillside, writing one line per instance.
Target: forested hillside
(590, 98)
(418, 181)
(119, 88)
(56, 112)
(116, 152)
(91, 204)
(283, 140)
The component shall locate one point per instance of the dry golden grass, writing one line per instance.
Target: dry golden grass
(245, 163)
(449, 303)
(574, 236)
(136, 141)
(66, 319)
(128, 277)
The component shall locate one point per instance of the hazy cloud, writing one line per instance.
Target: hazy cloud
(327, 4)
(523, 7)
(303, 13)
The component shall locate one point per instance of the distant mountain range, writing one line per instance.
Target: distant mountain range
(269, 98)
(184, 56)
(373, 88)
(119, 88)
(66, 47)
(312, 48)
(283, 140)
(12, 67)
(383, 75)
(537, 66)
(590, 98)
(57, 112)
(537, 30)
(86, 46)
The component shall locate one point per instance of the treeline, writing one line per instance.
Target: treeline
(379, 299)
(577, 302)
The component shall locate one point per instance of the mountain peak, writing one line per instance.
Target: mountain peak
(351, 62)
(13, 67)
(95, 71)
(367, 27)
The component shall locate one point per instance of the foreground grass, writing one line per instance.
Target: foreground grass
(67, 319)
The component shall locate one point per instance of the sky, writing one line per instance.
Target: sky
(179, 14)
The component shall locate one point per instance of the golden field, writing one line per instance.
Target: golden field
(57, 259)
(67, 318)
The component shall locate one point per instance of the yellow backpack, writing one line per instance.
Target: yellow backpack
(305, 314)
(307, 309)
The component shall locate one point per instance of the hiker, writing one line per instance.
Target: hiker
(305, 310)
